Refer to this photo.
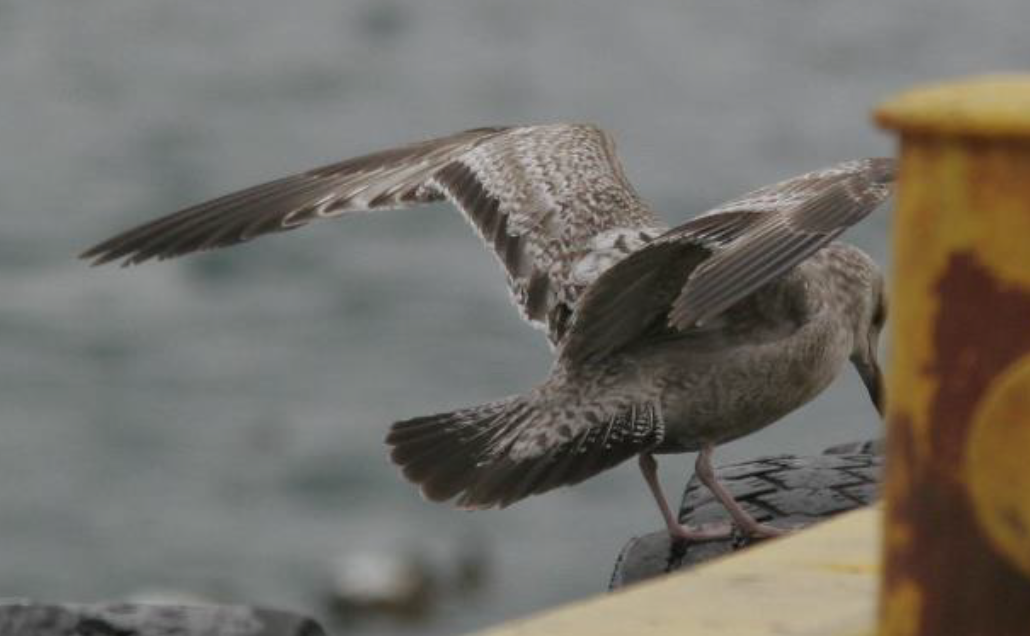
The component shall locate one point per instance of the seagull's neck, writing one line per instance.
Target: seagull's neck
(851, 278)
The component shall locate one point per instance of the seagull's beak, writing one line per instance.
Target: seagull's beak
(872, 377)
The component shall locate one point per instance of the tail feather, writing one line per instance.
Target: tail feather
(498, 453)
(410, 449)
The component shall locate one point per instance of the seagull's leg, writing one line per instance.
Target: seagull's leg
(747, 523)
(649, 468)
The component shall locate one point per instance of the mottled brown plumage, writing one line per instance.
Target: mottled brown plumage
(667, 340)
(539, 196)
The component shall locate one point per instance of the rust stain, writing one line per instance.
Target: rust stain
(981, 326)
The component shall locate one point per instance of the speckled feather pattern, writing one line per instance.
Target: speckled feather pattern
(552, 202)
(562, 194)
(789, 193)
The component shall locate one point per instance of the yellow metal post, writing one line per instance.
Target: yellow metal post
(957, 533)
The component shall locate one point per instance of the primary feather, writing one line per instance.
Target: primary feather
(551, 201)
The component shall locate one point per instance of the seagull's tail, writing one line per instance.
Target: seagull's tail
(451, 453)
(498, 453)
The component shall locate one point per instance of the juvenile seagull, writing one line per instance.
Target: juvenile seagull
(666, 340)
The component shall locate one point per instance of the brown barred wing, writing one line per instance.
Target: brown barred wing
(800, 216)
(703, 267)
(382, 180)
(633, 298)
(551, 201)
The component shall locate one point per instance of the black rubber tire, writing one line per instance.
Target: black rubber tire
(786, 491)
(26, 618)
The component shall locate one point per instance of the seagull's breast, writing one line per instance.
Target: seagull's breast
(715, 395)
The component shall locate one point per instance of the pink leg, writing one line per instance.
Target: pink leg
(747, 523)
(649, 468)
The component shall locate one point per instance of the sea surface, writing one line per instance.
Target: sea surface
(213, 425)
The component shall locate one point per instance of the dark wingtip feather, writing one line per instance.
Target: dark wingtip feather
(99, 254)
(93, 257)
(281, 204)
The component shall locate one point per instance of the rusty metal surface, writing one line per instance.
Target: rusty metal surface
(957, 543)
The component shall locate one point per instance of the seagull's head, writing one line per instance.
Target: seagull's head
(871, 315)
(855, 289)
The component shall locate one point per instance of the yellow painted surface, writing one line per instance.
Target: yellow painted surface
(902, 615)
(920, 248)
(954, 196)
(935, 219)
(819, 582)
(986, 106)
(997, 465)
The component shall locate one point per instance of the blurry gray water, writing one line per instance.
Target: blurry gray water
(214, 424)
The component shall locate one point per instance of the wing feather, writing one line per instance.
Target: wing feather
(701, 268)
(541, 197)
(814, 210)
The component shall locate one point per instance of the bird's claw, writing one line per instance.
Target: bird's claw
(759, 531)
(700, 534)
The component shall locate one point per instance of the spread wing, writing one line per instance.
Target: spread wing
(697, 270)
(551, 201)
(792, 220)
